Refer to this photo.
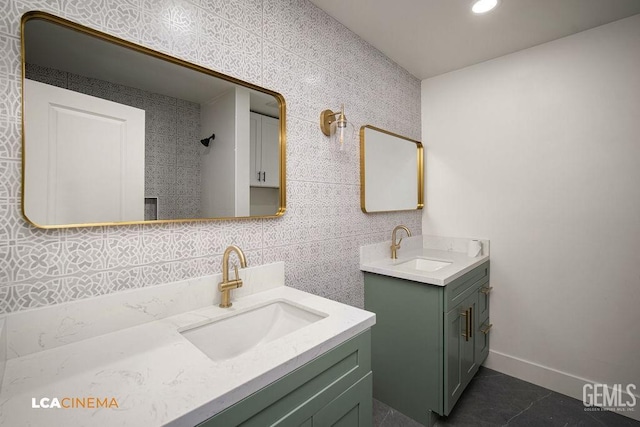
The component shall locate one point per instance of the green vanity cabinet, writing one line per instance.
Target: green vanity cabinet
(334, 389)
(428, 341)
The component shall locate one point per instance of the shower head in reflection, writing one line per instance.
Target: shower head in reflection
(206, 141)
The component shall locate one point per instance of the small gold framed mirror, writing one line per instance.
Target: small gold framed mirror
(391, 171)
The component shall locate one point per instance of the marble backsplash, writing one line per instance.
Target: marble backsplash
(44, 328)
(382, 250)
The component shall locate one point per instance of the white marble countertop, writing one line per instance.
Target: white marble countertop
(160, 378)
(377, 259)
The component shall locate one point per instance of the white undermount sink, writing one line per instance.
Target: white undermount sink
(235, 335)
(423, 264)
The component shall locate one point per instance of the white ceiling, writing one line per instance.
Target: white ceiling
(431, 37)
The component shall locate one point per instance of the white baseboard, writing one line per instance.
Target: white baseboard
(546, 377)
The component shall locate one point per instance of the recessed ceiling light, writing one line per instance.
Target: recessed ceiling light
(484, 6)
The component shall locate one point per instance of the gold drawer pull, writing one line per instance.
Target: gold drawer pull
(467, 323)
(486, 289)
(485, 329)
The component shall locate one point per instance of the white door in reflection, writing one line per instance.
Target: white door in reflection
(85, 158)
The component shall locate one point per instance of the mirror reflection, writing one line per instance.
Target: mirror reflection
(391, 171)
(116, 133)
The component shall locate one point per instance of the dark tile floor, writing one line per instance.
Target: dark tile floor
(495, 399)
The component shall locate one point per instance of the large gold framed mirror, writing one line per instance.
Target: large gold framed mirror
(116, 133)
(391, 171)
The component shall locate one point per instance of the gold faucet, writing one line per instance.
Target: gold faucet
(226, 285)
(395, 246)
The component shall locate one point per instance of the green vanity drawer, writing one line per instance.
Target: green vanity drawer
(458, 290)
(334, 386)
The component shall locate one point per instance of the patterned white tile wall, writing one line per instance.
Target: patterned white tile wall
(289, 46)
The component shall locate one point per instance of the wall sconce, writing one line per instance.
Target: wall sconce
(335, 124)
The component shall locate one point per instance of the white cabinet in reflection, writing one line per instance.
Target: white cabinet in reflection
(85, 158)
(264, 170)
(265, 151)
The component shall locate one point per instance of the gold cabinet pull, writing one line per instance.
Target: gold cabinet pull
(486, 289)
(485, 329)
(470, 322)
(466, 316)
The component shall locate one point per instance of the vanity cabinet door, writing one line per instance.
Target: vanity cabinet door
(469, 362)
(454, 323)
(460, 353)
